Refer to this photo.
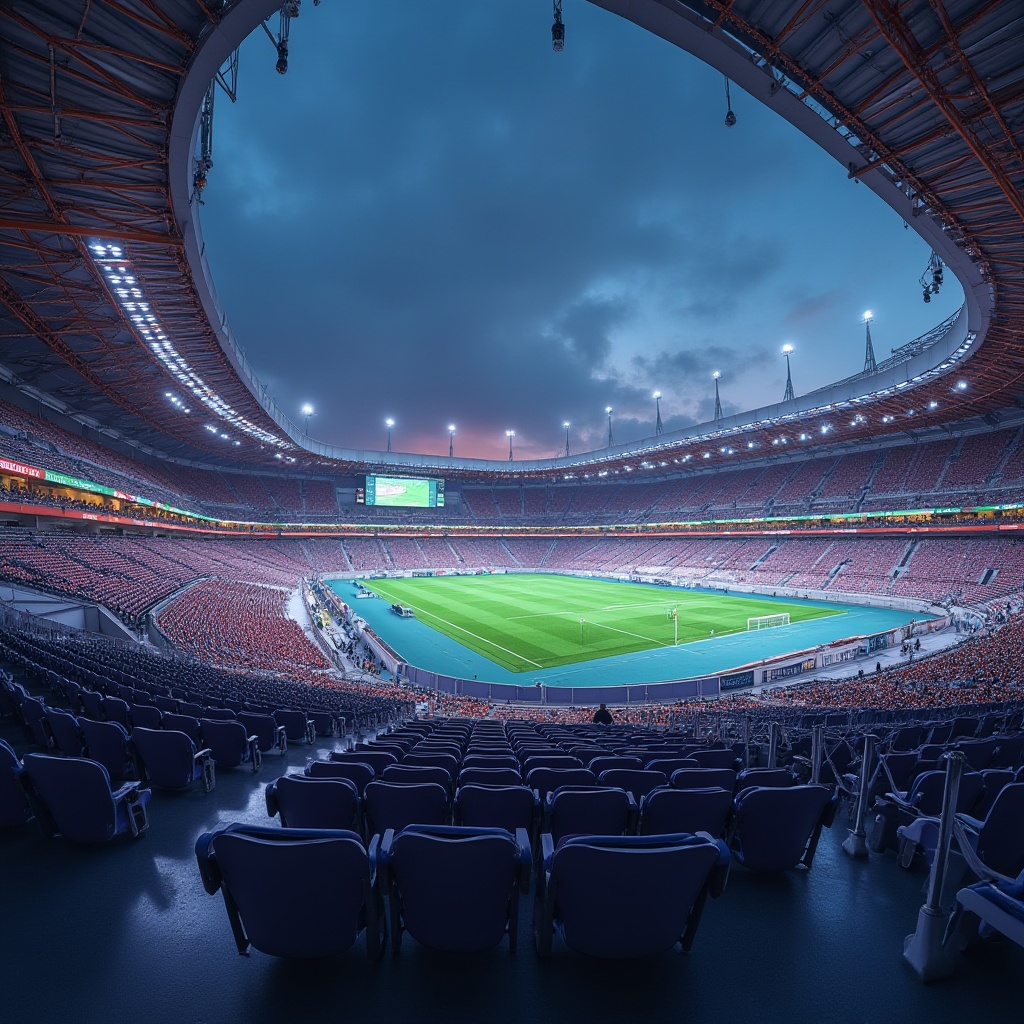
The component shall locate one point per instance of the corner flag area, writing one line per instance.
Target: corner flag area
(534, 621)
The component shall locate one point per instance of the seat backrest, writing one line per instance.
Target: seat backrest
(317, 876)
(219, 714)
(773, 825)
(355, 771)
(145, 715)
(407, 775)
(701, 778)
(490, 777)
(76, 793)
(714, 758)
(978, 752)
(456, 885)
(545, 780)
(507, 807)
(227, 740)
(588, 812)
(637, 781)
(263, 727)
(14, 805)
(107, 742)
(606, 763)
(294, 723)
(66, 733)
(670, 765)
(926, 791)
(387, 805)
(631, 896)
(1001, 840)
(305, 802)
(116, 710)
(168, 757)
(550, 761)
(183, 723)
(378, 760)
(773, 777)
(491, 761)
(449, 762)
(667, 810)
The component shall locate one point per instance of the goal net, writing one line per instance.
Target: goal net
(767, 621)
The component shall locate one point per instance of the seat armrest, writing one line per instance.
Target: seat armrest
(973, 824)
(547, 850)
(125, 788)
(525, 858)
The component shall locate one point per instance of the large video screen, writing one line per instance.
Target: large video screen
(404, 491)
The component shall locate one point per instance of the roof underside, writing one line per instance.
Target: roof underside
(929, 96)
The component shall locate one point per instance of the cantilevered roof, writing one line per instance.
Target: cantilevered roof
(107, 306)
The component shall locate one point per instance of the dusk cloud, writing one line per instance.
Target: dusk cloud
(434, 217)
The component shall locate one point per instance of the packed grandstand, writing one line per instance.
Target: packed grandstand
(141, 568)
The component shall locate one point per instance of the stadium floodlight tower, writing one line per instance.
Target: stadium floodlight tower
(869, 352)
(451, 440)
(510, 434)
(658, 428)
(788, 396)
(307, 411)
(389, 423)
(611, 440)
(718, 399)
(566, 425)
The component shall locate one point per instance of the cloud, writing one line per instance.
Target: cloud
(443, 221)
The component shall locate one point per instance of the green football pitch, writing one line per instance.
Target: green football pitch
(526, 622)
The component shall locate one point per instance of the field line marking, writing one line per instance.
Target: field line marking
(468, 632)
(626, 632)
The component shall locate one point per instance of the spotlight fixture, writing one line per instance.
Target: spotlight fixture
(730, 117)
(558, 29)
(931, 279)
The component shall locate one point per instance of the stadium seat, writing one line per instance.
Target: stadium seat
(636, 781)
(387, 805)
(355, 771)
(72, 797)
(378, 760)
(14, 806)
(668, 810)
(67, 735)
(776, 829)
(454, 888)
(589, 811)
(652, 892)
(409, 775)
(228, 743)
(146, 715)
(986, 907)
(771, 777)
(293, 892)
(184, 723)
(508, 807)
(109, 743)
(606, 762)
(297, 725)
(701, 778)
(269, 735)
(545, 780)
(304, 802)
(170, 760)
(490, 761)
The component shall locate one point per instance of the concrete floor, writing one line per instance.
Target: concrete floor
(126, 931)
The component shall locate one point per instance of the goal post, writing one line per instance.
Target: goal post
(767, 621)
